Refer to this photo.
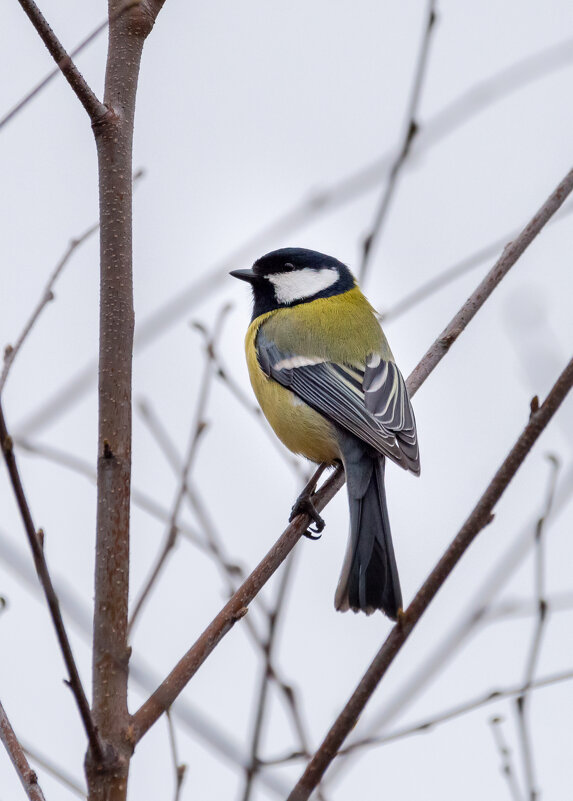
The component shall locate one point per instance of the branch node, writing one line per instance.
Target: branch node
(107, 451)
(533, 406)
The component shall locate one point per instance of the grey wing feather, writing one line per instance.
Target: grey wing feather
(372, 404)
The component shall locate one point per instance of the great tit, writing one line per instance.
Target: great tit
(326, 380)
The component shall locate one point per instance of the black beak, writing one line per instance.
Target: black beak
(244, 275)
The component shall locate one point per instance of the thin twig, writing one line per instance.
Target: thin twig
(85, 95)
(505, 755)
(409, 132)
(469, 104)
(197, 430)
(16, 753)
(56, 771)
(478, 519)
(10, 351)
(522, 700)
(180, 768)
(36, 541)
(452, 713)
(254, 764)
(457, 270)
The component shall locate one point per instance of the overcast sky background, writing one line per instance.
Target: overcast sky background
(244, 110)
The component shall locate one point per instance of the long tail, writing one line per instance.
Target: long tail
(369, 578)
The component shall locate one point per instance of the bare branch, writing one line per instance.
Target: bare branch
(87, 98)
(478, 519)
(36, 541)
(505, 754)
(409, 132)
(16, 753)
(254, 765)
(179, 768)
(522, 701)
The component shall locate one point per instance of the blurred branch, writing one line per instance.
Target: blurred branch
(469, 104)
(450, 274)
(478, 519)
(56, 771)
(179, 767)
(87, 98)
(197, 430)
(510, 255)
(254, 765)
(410, 130)
(11, 352)
(47, 296)
(522, 700)
(36, 541)
(16, 753)
(505, 755)
(453, 712)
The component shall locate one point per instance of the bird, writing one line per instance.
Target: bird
(326, 380)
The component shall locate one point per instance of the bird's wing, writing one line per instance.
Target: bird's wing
(370, 401)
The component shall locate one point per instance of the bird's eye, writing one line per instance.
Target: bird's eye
(288, 267)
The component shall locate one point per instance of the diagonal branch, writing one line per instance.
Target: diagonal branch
(409, 132)
(36, 544)
(16, 753)
(478, 519)
(85, 95)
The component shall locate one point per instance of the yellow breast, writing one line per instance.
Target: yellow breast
(316, 330)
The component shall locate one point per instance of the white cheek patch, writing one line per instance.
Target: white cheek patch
(300, 284)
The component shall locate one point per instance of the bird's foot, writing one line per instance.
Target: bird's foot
(304, 506)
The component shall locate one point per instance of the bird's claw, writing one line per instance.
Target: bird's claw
(304, 505)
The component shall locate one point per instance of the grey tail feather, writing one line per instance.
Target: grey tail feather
(369, 578)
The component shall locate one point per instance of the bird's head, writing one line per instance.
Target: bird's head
(290, 276)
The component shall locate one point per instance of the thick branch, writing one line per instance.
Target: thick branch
(128, 29)
(87, 98)
(16, 753)
(478, 519)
